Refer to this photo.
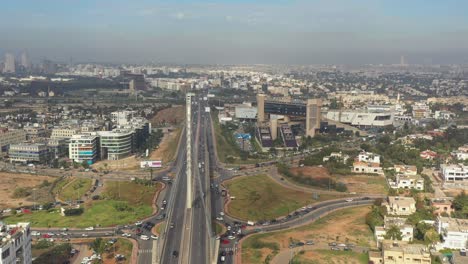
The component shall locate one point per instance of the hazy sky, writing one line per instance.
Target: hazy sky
(242, 31)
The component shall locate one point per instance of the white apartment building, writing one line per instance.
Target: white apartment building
(84, 147)
(10, 136)
(15, 243)
(122, 117)
(454, 172)
(405, 229)
(397, 205)
(454, 232)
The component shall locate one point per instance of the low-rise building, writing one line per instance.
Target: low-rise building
(29, 153)
(367, 162)
(454, 232)
(442, 205)
(461, 153)
(337, 156)
(408, 182)
(406, 169)
(405, 229)
(15, 243)
(454, 172)
(401, 252)
(428, 154)
(397, 205)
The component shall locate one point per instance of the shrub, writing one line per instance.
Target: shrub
(21, 192)
(73, 211)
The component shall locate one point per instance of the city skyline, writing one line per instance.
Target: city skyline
(238, 32)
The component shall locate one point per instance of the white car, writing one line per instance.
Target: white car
(154, 237)
(89, 228)
(144, 237)
(139, 223)
(221, 213)
(84, 235)
(349, 200)
(231, 237)
(219, 218)
(35, 233)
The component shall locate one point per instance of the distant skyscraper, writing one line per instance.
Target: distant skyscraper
(9, 63)
(402, 60)
(24, 60)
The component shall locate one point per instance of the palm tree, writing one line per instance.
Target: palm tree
(393, 233)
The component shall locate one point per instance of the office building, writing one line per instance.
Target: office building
(29, 153)
(9, 64)
(15, 243)
(10, 136)
(116, 144)
(83, 147)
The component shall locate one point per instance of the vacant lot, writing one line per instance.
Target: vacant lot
(347, 225)
(260, 198)
(123, 203)
(11, 181)
(322, 256)
(168, 147)
(75, 189)
(173, 116)
(368, 184)
(364, 183)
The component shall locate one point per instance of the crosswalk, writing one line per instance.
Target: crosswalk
(145, 251)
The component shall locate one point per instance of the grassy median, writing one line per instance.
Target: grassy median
(75, 189)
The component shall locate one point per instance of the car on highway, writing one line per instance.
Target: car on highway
(144, 237)
(175, 253)
(332, 244)
(219, 218)
(309, 242)
(89, 228)
(349, 200)
(172, 225)
(84, 235)
(154, 237)
(35, 233)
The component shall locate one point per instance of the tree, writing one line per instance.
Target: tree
(85, 164)
(431, 236)
(393, 233)
(98, 245)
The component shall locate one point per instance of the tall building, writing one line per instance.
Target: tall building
(24, 61)
(29, 152)
(15, 243)
(402, 61)
(84, 148)
(313, 116)
(116, 144)
(9, 66)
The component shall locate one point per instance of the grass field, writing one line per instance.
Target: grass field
(347, 225)
(224, 146)
(60, 183)
(322, 256)
(260, 198)
(134, 203)
(75, 190)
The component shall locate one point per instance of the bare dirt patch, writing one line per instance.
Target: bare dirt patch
(364, 183)
(313, 172)
(174, 116)
(12, 181)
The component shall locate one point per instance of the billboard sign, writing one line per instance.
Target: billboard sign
(151, 164)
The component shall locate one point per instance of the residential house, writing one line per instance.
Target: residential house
(442, 205)
(389, 221)
(397, 205)
(454, 172)
(408, 182)
(401, 252)
(367, 162)
(428, 154)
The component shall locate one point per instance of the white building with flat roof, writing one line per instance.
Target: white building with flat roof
(15, 243)
(454, 232)
(84, 147)
(454, 172)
